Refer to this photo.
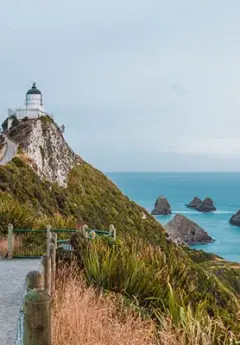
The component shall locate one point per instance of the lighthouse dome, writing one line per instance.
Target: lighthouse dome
(34, 98)
(34, 90)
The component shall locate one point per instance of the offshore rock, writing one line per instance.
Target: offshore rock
(235, 219)
(161, 207)
(180, 227)
(206, 206)
(196, 202)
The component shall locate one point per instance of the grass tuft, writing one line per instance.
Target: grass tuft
(3, 246)
(83, 315)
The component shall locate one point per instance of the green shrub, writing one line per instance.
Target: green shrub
(57, 221)
(12, 212)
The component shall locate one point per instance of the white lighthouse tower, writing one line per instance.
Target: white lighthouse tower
(34, 99)
(33, 104)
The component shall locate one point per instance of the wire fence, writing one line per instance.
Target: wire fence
(28, 243)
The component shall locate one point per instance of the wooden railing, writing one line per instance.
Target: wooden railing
(28, 243)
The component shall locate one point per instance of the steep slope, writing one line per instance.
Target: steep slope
(48, 177)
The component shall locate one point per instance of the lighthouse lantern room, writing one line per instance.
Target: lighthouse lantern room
(34, 98)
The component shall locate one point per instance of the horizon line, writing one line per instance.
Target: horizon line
(173, 171)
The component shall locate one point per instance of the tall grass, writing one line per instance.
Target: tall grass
(140, 272)
(181, 325)
(84, 316)
(3, 246)
(57, 221)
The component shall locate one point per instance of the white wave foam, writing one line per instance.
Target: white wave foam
(196, 212)
(185, 212)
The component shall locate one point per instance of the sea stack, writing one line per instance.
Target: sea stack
(235, 219)
(206, 206)
(162, 206)
(180, 227)
(196, 202)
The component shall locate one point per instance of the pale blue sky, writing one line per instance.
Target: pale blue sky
(132, 80)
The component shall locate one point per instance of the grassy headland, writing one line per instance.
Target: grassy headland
(143, 264)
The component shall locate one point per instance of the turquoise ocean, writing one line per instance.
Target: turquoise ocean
(180, 188)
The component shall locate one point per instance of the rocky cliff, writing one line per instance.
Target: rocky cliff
(41, 143)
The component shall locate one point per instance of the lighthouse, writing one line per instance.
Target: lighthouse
(33, 105)
(33, 108)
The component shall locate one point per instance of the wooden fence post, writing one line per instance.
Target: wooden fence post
(54, 239)
(84, 230)
(52, 251)
(114, 234)
(46, 264)
(34, 280)
(92, 234)
(48, 235)
(37, 313)
(113, 230)
(10, 241)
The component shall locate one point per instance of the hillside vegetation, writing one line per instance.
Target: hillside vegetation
(95, 316)
(92, 199)
(143, 264)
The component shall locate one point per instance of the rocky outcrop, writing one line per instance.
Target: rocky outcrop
(206, 206)
(40, 142)
(196, 202)
(235, 219)
(161, 207)
(184, 229)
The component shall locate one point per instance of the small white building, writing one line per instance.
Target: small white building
(33, 105)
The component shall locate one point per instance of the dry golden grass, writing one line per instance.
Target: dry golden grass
(83, 316)
(3, 246)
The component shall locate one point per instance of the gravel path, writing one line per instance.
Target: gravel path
(12, 277)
